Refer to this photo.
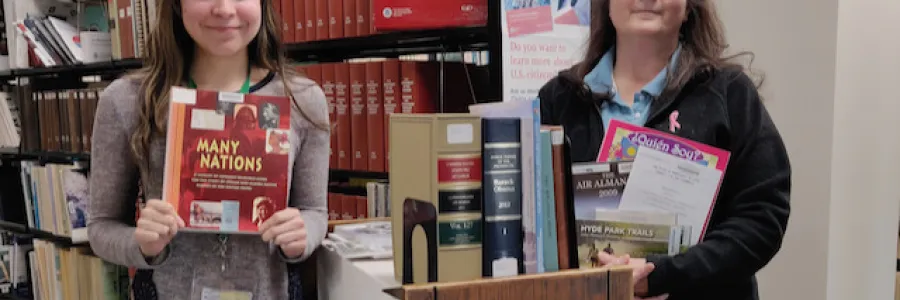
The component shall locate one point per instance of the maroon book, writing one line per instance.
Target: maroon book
(227, 159)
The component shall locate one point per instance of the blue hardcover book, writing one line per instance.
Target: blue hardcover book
(547, 222)
(538, 188)
(502, 197)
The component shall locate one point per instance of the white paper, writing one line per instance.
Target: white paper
(665, 183)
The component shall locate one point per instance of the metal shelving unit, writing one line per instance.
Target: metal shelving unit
(388, 44)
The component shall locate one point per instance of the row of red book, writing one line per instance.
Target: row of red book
(311, 20)
(362, 95)
(347, 207)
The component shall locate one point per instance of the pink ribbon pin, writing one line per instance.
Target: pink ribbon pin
(673, 121)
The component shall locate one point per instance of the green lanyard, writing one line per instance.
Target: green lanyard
(245, 89)
(223, 238)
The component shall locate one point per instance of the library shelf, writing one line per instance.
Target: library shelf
(25, 231)
(13, 154)
(392, 44)
(73, 70)
(385, 44)
(344, 175)
(347, 189)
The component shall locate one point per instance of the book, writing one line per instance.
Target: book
(436, 190)
(618, 238)
(598, 186)
(665, 183)
(227, 163)
(503, 235)
(622, 141)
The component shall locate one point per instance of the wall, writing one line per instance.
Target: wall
(829, 65)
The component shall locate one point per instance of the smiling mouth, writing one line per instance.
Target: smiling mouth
(227, 28)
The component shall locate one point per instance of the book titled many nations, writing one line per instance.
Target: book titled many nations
(226, 159)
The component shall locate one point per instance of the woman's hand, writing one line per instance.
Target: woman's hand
(156, 227)
(287, 230)
(642, 269)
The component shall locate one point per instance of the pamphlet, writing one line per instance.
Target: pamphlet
(664, 183)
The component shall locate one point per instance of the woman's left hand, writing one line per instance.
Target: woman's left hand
(287, 230)
(642, 269)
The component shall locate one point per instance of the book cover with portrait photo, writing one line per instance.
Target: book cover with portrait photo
(227, 159)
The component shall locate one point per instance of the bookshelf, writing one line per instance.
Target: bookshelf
(23, 231)
(387, 44)
(351, 182)
(16, 154)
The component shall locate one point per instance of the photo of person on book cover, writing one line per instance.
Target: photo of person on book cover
(225, 107)
(270, 116)
(263, 208)
(206, 214)
(245, 116)
(277, 142)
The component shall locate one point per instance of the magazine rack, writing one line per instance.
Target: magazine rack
(612, 283)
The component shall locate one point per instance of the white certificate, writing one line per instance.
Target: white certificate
(666, 183)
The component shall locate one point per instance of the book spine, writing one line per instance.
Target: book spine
(332, 206)
(362, 207)
(300, 21)
(375, 116)
(348, 207)
(335, 19)
(419, 87)
(538, 190)
(358, 118)
(363, 21)
(349, 18)
(559, 190)
(321, 19)
(287, 19)
(391, 92)
(342, 115)
(548, 206)
(501, 149)
(328, 88)
(309, 17)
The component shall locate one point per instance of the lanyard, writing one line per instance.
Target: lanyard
(223, 238)
(245, 88)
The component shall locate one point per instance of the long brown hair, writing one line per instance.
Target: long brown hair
(702, 37)
(169, 55)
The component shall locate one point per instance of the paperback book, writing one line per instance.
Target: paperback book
(622, 141)
(598, 186)
(227, 159)
(635, 233)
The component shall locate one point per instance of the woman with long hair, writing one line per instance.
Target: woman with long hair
(223, 45)
(661, 64)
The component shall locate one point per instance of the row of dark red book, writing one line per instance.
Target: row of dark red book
(362, 95)
(347, 207)
(311, 20)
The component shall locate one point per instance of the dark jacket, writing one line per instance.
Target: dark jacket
(723, 109)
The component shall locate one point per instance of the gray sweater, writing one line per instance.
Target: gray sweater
(114, 182)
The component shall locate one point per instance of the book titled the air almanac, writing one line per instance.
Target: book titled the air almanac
(227, 161)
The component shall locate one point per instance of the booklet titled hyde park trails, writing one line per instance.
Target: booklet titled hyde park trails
(227, 160)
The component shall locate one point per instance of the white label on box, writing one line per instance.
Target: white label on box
(460, 134)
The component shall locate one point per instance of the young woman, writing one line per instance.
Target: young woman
(660, 64)
(226, 45)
